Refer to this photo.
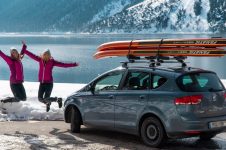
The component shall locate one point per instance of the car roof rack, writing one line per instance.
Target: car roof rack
(155, 61)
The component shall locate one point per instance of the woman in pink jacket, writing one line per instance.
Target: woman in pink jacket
(16, 76)
(46, 64)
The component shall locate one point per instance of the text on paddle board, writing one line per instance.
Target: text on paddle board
(206, 42)
(200, 52)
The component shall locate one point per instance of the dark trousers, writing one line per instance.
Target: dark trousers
(18, 91)
(44, 93)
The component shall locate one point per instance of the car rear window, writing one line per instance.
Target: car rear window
(200, 82)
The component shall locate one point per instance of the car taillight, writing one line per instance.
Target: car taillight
(189, 100)
(224, 96)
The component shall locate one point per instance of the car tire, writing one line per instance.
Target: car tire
(75, 120)
(207, 136)
(152, 132)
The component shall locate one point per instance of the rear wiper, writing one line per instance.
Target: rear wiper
(214, 90)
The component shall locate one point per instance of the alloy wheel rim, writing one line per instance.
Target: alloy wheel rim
(152, 132)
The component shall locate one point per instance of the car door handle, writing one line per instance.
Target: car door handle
(111, 97)
(142, 97)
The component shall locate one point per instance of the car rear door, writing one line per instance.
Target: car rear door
(131, 99)
(99, 106)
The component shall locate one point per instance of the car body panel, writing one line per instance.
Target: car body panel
(98, 109)
(128, 104)
(123, 110)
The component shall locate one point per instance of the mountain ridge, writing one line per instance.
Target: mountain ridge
(113, 16)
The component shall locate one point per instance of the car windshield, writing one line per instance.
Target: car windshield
(200, 82)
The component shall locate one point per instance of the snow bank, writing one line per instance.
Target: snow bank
(32, 109)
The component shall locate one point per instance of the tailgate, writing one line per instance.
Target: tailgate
(212, 104)
(204, 95)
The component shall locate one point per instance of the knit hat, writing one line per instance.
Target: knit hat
(47, 51)
(13, 49)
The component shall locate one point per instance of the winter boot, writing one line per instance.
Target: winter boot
(59, 101)
(10, 100)
(48, 107)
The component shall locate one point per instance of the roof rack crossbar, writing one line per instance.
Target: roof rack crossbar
(154, 61)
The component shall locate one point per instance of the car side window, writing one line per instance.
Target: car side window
(158, 81)
(187, 80)
(137, 80)
(109, 82)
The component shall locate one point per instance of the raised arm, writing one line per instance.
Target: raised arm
(5, 57)
(64, 65)
(28, 53)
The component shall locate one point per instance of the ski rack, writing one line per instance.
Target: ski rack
(155, 61)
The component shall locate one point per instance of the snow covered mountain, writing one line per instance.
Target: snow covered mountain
(99, 16)
(151, 16)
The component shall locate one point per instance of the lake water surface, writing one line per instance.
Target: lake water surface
(80, 48)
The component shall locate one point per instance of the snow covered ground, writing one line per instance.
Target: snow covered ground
(32, 109)
(54, 135)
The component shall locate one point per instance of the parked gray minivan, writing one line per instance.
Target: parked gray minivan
(155, 103)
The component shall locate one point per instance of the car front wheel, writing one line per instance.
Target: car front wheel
(152, 132)
(75, 121)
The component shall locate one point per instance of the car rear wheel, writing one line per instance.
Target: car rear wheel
(75, 121)
(207, 136)
(152, 132)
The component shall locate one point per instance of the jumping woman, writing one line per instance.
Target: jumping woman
(46, 64)
(16, 76)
